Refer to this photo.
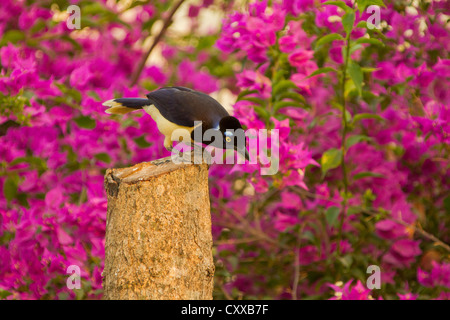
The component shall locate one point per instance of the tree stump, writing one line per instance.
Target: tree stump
(158, 232)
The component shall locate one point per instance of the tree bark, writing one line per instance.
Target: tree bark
(158, 232)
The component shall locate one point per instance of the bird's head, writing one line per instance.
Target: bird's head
(233, 135)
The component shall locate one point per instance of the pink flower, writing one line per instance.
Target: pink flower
(54, 198)
(287, 43)
(81, 76)
(193, 11)
(282, 127)
(407, 296)
(255, 81)
(336, 55)
(357, 292)
(283, 221)
(198, 80)
(388, 229)
(403, 253)
(300, 57)
(439, 275)
(291, 200)
(296, 7)
(308, 254)
(156, 74)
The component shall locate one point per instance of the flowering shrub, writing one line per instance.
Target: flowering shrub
(363, 118)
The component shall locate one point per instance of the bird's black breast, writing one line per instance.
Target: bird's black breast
(183, 106)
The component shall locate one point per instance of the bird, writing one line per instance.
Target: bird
(177, 107)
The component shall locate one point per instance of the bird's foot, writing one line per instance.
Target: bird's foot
(200, 154)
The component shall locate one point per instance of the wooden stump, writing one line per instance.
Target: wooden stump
(158, 232)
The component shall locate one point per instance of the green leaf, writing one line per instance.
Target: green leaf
(340, 4)
(38, 25)
(79, 294)
(94, 95)
(283, 104)
(348, 115)
(255, 100)
(282, 86)
(94, 8)
(280, 74)
(367, 69)
(245, 93)
(351, 141)
(88, 22)
(370, 41)
(354, 47)
(142, 142)
(129, 122)
(446, 203)
(75, 44)
(331, 159)
(346, 261)
(293, 96)
(86, 122)
(308, 235)
(6, 237)
(362, 24)
(347, 22)
(355, 72)
(366, 174)
(75, 94)
(4, 294)
(328, 38)
(321, 71)
(12, 36)
(361, 116)
(331, 215)
(206, 42)
(34, 162)
(104, 157)
(10, 188)
(363, 4)
(262, 112)
(22, 199)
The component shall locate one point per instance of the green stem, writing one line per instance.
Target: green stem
(344, 135)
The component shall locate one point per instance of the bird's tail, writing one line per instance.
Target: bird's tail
(125, 105)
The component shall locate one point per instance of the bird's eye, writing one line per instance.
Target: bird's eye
(227, 139)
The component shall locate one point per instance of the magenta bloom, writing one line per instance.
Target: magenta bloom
(389, 229)
(438, 276)
(357, 292)
(407, 296)
(300, 57)
(403, 253)
(255, 81)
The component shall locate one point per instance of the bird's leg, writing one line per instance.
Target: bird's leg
(168, 143)
(175, 155)
(196, 147)
(199, 152)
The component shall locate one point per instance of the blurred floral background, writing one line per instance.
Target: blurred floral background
(364, 121)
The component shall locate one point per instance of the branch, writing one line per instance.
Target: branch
(344, 135)
(373, 212)
(167, 23)
(158, 232)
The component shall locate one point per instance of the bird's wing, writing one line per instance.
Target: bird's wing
(183, 106)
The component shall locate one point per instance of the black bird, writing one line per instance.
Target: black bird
(178, 108)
